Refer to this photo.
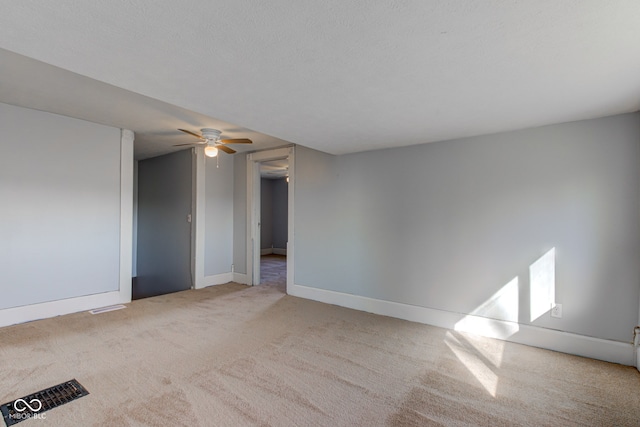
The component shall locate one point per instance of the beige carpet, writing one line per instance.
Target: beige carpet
(234, 355)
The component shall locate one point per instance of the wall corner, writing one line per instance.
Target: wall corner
(126, 213)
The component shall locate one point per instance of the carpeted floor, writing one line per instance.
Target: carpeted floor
(273, 271)
(233, 355)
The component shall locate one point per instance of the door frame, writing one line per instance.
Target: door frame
(253, 212)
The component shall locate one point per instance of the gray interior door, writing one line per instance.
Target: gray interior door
(164, 229)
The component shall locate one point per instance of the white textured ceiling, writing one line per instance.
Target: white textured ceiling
(346, 76)
(33, 84)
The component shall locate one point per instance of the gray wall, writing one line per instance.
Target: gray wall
(280, 214)
(266, 213)
(448, 225)
(164, 234)
(59, 207)
(219, 223)
(273, 213)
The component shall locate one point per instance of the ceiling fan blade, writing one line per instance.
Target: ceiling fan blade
(191, 133)
(225, 148)
(191, 143)
(236, 141)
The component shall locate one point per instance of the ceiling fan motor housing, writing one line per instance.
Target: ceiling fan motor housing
(210, 134)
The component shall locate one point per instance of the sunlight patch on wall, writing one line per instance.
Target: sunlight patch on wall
(503, 305)
(542, 279)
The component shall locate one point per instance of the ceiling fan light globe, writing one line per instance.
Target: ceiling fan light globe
(210, 151)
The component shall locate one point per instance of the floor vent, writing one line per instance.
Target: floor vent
(34, 405)
(105, 309)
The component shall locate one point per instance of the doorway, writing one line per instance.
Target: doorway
(270, 220)
(274, 182)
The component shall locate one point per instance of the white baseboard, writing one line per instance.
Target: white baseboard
(28, 313)
(269, 251)
(220, 279)
(216, 279)
(241, 278)
(565, 342)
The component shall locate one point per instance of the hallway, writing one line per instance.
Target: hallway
(273, 271)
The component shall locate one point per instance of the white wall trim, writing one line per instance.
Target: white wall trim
(277, 251)
(240, 278)
(198, 218)
(291, 220)
(216, 279)
(636, 344)
(253, 215)
(596, 348)
(126, 214)
(28, 313)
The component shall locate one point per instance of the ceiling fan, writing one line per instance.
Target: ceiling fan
(211, 138)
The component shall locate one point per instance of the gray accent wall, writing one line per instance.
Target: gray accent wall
(59, 207)
(451, 225)
(164, 234)
(134, 260)
(219, 214)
